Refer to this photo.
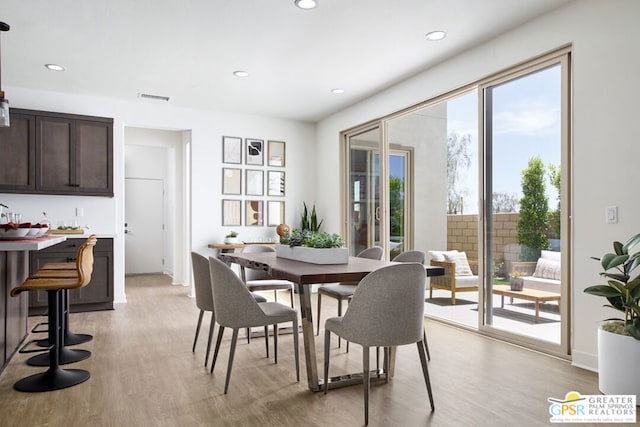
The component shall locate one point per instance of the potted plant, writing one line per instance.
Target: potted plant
(619, 339)
(313, 247)
(516, 281)
(231, 237)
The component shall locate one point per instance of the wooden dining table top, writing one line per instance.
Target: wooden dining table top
(306, 273)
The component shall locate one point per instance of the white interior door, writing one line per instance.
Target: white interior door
(144, 238)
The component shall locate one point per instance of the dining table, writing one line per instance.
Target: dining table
(306, 274)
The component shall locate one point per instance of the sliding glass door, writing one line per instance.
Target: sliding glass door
(523, 244)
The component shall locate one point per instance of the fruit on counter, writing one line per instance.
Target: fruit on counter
(9, 226)
(24, 225)
(38, 225)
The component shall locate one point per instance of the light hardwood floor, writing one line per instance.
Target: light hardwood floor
(143, 373)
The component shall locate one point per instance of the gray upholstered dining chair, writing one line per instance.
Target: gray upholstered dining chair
(387, 309)
(204, 296)
(342, 291)
(419, 257)
(235, 308)
(260, 280)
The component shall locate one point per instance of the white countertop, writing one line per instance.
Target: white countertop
(34, 244)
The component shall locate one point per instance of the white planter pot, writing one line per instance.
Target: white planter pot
(618, 357)
(231, 240)
(314, 255)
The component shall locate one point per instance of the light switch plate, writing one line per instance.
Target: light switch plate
(612, 215)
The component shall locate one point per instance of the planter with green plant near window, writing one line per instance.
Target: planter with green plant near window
(619, 339)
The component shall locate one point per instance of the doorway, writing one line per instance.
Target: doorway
(156, 170)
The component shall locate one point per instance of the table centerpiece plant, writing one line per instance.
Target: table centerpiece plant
(316, 247)
(619, 339)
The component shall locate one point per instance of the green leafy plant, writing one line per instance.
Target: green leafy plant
(309, 220)
(622, 290)
(232, 234)
(533, 223)
(321, 240)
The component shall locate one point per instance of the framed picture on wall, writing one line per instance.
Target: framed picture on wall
(275, 153)
(254, 153)
(231, 212)
(275, 213)
(254, 213)
(275, 183)
(231, 149)
(254, 182)
(231, 181)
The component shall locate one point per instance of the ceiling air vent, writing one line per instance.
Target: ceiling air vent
(156, 97)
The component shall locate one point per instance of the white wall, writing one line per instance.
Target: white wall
(606, 65)
(106, 215)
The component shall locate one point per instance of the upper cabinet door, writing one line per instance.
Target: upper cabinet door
(55, 155)
(17, 162)
(94, 157)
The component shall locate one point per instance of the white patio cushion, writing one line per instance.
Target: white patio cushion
(466, 281)
(439, 255)
(462, 264)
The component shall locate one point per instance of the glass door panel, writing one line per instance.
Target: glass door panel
(523, 151)
(364, 190)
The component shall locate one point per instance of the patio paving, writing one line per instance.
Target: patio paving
(518, 317)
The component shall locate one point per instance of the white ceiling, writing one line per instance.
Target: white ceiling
(188, 49)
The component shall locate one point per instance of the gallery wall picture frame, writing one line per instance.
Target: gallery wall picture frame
(276, 153)
(254, 213)
(275, 183)
(275, 213)
(231, 181)
(254, 153)
(231, 149)
(231, 212)
(254, 182)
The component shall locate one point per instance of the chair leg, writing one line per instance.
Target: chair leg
(266, 339)
(232, 352)
(366, 379)
(319, 305)
(295, 347)
(377, 357)
(195, 339)
(387, 362)
(426, 344)
(425, 372)
(339, 314)
(248, 335)
(211, 327)
(275, 295)
(275, 342)
(327, 341)
(291, 295)
(215, 352)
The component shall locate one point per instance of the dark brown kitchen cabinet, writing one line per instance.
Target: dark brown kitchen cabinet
(18, 159)
(97, 295)
(67, 154)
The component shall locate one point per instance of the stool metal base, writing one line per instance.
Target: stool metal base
(53, 379)
(69, 339)
(66, 356)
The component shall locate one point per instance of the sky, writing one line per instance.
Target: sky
(526, 123)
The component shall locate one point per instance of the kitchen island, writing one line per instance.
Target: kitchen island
(14, 269)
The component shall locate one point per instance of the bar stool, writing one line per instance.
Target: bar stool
(56, 378)
(63, 270)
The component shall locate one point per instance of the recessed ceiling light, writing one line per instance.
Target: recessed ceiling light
(337, 90)
(241, 73)
(306, 4)
(54, 67)
(436, 35)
